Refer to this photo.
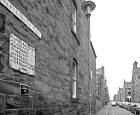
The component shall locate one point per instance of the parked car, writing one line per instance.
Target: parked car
(128, 106)
(120, 104)
(113, 104)
(136, 109)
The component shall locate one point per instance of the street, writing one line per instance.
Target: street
(109, 110)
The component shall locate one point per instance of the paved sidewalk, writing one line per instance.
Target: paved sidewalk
(103, 111)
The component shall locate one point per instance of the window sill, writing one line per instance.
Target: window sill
(75, 100)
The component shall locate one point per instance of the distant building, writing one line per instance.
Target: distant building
(93, 79)
(127, 91)
(124, 94)
(135, 83)
(115, 97)
(120, 95)
(106, 94)
(102, 94)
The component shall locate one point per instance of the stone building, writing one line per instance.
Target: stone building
(135, 83)
(106, 94)
(120, 95)
(102, 94)
(44, 66)
(124, 94)
(93, 78)
(115, 98)
(127, 91)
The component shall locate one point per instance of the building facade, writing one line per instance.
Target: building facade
(44, 59)
(93, 79)
(120, 95)
(135, 83)
(115, 98)
(127, 91)
(102, 93)
(125, 94)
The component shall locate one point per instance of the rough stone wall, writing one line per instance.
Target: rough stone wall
(93, 80)
(137, 92)
(126, 87)
(102, 94)
(103, 87)
(51, 87)
(98, 104)
(135, 84)
(133, 80)
(99, 89)
(120, 94)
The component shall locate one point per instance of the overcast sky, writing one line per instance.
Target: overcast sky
(115, 34)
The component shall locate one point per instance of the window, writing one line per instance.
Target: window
(129, 91)
(91, 74)
(138, 77)
(2, 63)
(74, 18)
(2, 22)
(74, 21)
(74, 79)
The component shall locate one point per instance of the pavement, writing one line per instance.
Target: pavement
(109, 110)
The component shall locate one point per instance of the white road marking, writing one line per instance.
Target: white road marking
(107, 111)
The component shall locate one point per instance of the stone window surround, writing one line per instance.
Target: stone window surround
(74, 16)
(74, 78)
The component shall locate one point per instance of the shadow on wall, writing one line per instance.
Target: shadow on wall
(99, 105)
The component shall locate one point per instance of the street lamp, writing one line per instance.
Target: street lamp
(87, 7)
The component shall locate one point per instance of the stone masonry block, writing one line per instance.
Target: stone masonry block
(4, 44)
(11, 112)
(13, 102)
(9, 87)
(38, 104)
(26, 112)
(2, 102)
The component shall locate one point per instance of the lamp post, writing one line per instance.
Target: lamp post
(87, 7)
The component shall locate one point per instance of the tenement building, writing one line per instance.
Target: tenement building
(44, 60)
(93, 79)
(125, 94)
(115, 98)
(135, 83)
(120, 95)
(102, 94)
(127, 91)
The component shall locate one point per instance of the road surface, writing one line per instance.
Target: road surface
(109, 110)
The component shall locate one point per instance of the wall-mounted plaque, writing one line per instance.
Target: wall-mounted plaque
(22, 56)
